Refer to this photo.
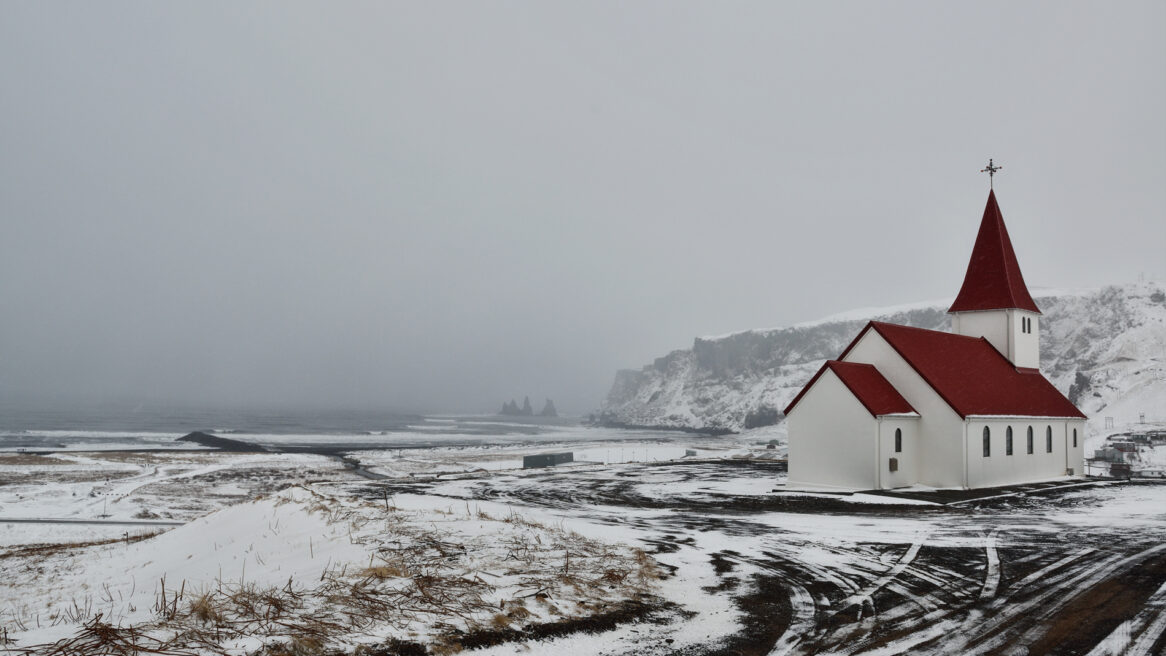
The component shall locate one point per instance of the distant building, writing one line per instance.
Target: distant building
(965, 409)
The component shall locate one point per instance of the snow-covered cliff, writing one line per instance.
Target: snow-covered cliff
(1105, 349)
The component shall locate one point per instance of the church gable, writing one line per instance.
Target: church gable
(866, 384)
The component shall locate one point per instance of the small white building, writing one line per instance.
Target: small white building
(966, 409)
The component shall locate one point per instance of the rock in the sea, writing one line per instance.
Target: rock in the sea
(549, 410)
(220, 443)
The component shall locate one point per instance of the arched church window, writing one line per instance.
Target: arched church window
(1030, 439)
(1049, 439)
(1074, 438)
(898, 440)
(1008, 441)
(987, 441)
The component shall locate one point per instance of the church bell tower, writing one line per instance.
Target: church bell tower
(994, 302)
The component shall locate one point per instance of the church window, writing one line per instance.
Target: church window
(1030, 439)
(898, 440)
(1008, 442)
(987, 441)
(1074, 438)
(1049, 439)
(1023, 324)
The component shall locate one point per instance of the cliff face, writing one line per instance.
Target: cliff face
(1105, 348)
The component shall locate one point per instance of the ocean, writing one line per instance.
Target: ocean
(78, 428)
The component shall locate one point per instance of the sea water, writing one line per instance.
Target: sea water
(140, 426)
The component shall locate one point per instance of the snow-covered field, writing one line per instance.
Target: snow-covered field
(635, 548)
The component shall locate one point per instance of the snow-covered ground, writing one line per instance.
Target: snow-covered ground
(637, 548)
(138, 486)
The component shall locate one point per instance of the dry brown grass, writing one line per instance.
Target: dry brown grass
(97, 638)
(204, 609)
(381, 572)
(298, 645)
(46, 550)
(155, 458)
(446, 648)
(32, 459)
(646, 567)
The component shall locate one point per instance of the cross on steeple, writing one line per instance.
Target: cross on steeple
(991, 171)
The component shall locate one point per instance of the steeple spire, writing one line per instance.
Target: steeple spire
(993, 280)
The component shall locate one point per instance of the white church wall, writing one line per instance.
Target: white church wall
(832, 438)
(1025, 345)
(908, 457)
(1075, 453)
(993, 325)
(940, 429)
(999, 468)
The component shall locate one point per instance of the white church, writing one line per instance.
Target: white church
(967, 409)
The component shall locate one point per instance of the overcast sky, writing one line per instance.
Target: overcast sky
(440, 206)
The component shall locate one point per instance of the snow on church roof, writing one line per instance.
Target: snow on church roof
(873, 391)
(971, 375)
(993, 280)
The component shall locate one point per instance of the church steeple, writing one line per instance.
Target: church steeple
(994, 303)
(993, 280)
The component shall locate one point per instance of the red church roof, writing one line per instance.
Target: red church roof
(971, 375)
(993, 280)
(874, 392)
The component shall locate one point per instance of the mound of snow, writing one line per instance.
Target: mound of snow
(335, 571)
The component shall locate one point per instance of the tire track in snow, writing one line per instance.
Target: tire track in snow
(864, 599)
(994, 632)
(991, 582)
(866, 594)
(802, 616)
(948, 620)
(992, 573)
(1148, 625)
(1040, 574)
(919, 626)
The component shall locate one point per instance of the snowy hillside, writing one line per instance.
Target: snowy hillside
(1105, 349)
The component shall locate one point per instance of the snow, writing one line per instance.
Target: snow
(869, 313)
